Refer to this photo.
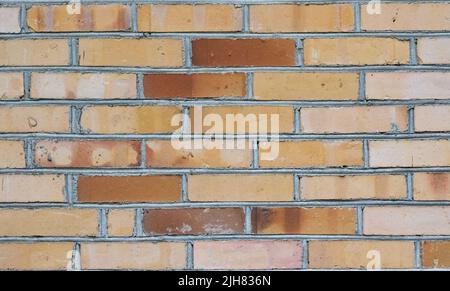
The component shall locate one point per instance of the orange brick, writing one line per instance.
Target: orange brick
(11, 85)
(134, 256)
(433, 50)
(358, 254)
(48, 222)
(32, 188)
(354, 119)
(432, 118)
(129, 119)
(83, 86)
(247, 254)
(10, 17)
(407, 16)
(307, 154)
(431, 186)
(436, 254)
(130, 52)
(409, 153)
(301, 18)
(34, 52)
(87, 153)
(305, 86)
(121, 222)
(34, 118)
(356, 51)
(35, 256)
(56, 18)
(353, 187)
(407, 220)
(13, 154)
(240, 187)
(408, 85)
(173, 18)
(304, 220)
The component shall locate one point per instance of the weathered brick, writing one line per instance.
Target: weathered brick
(87, 153)
(123, 189)
(48, 222)
(83, 86)
(359, 254)
(355, 51)
(248, 254)
(185, 18)
(305, 86)
(306, 154)
(433, 50)
(121, 222)
(32, 188)
(240, 187)
(353, 187)
(409, 153)
(432, 118)
(301, 18)
(34, 52)
(197, 221)
(243, 52)
(431, 186)
(11, 85)
(35, 256)
(128, 119)
(13, 154)
(406, 220)
(303, 220)
(407, 85)
(10, 17)
(202, 85)
(34, 118)
(436, 254)
(354, 119)
(57, 18)
(133, 255)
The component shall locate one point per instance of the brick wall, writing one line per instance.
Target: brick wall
(90, 179)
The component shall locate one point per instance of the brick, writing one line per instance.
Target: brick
(185, 18)
(431, 186)
(34, 52)
(407, 85)
(353, 187)
(83, 86)
(244, 119)
(11, 86)
(159, 86)
(35, 256)
(130, 52)
(32, 188)
(123, 189)
(301, 18)
(121, 222)
(358, 254)
(243, 52)
(436, 254)
(34, 118)
(407, 220)
(409, 153)
(194, 221)
(240, 187)
(13, 155)
(128, 119)
(10, 19)
(162, 154)
(354, 119)
(432, 118)
(307, 154)
(48, 222)
(355, 51)
(433, 50)
(303, 220)
(247, 254)
(305, 86)
(57, 18)
(87, 153)
(133, 255)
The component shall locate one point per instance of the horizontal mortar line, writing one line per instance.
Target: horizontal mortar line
(213, 1)
(172, 171)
